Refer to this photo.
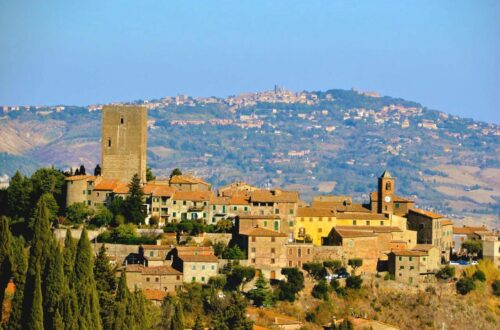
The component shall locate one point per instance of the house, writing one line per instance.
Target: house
(245, 222)
(491, 249)
(299, 254)
(416, 265)
(157, 196)
(462, 234)
(266, 250)
(197, 263)
(188, 183)
(155, 255)
(432, 228)
(155, 296)
(272, 319)
(190, 205)
(162, 278)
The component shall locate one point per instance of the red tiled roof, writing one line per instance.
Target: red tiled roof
(466, 230)
(80, 177)
(274, 196)
(375, 229)
(158, 190)
(134, 268)
(262, 232)
(198, 258)
(397, 199)
(315, 212)
(156, 247)
(187, 179)
(447, 223)
(361, 216)
(428, 214)
(107, 184)
(346, 233)
(196, 196)
(160, 270)
(151, 294)
(121, 188)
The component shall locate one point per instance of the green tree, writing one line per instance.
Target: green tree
(233, 253)
(69, 253)
(124, 232)
(354, 282)
(465, 285)
(315, 269)
(103, 216)
(333, 265)
(39, 254)
(261, 294)
(496, 287)
(224, 226)
(84, 286)
(133, 205)
(6, 259)
(172, 314)
(51, 205)
(18, 203)
(345, 325)
(288, 290)
(232, 316)
(54, 286)
(20, 263)
(149, 175)
(479, 276)
(473, 247)
(198, 324)
(239, 276)
(78, 213)
(219, 248)
(103, 273)
(175, 172)
(321, 290)
(217, 282)
(51, 181)
(355, 263)
(446, 273)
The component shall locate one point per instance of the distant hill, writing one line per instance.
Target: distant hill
(335, 141)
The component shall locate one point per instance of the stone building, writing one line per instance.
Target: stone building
(163, 278)
(188, 183)
(299, 254)
(124, 142)
(416, 265)
(190, 205)
(267, 251)
(491, 249)
(197, 263)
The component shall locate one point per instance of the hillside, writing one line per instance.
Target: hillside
(337, 141)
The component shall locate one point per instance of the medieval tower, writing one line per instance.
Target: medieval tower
(386, 193)
(124, 142)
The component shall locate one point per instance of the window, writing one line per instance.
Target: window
(265, 223)
(273, 239)
(320, 230)
(109, 143)
(147, 279)
(121, 120)
(401, 267)
(272, 261)
(290, 251)
(273, 250)
(276, 225)
(193, 267)
(245, 208)
(84, 192)
(213, 219)
(354, 222)
(423, 259)
(253, 250)
(320, 219)
(151, 254)
(213, 207)
(396, 205)
(381, 223)
(213, 267)
(290, 223)
(203, 278)
(157, 279)
(193, 279)
(411, 258)
(89, 192)
(178, 277)
(235, 208)
(367, 223)
(175, 202)
(351, 243)
(253, 239)
(203, 267)
(400, 258)
(174, 214)
(291, 211)
(388, 186)
(411, 267)
(183, 202)
(253, 261)
(290, 263)
(308, 251)
(276, 211)
(329, 219)
(89, 203)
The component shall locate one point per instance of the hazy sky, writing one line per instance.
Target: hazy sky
(444, 54)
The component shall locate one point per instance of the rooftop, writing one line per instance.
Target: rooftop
(262, 232)
(428, 214)
(187, 179)
(274, 196)
(160, 270)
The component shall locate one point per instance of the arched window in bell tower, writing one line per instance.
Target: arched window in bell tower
(388, 186)
(121, 120)
(109, 143)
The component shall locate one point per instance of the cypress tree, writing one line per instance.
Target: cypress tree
(20, 262)
(34, 319)
(58, 321)
(134, 207)
(39, 253)
(122, 318)
(172, 314)
(103, 273)
(5, 258)
(54, 287)
(69, 253)
(83, 284)
(140, 318)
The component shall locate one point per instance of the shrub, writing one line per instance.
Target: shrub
(321, 290)
(479, 276)
(446, 273)
(77, 212)
(389, 276)
(354, 282)
(315, 270)
(465, 285)
(496, 288)
(355, 263)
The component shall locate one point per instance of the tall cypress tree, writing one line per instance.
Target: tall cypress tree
(103, 273)
(83, 284)
(134, 207)
(122, 303)
(54, 287)
(19, 276)
(39, 253)
(5, 258)
(34, 320)
(69, 253)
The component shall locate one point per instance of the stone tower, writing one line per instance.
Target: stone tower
(386, 193)
(124, 142)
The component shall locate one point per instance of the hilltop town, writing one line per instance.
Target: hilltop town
(332, 142)
(176, 246)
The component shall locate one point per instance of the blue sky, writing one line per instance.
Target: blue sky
(444, 54)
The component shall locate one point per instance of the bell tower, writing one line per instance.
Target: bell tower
(386, 193)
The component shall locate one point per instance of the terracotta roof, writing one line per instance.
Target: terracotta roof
(156, 247)
(258, 327)
(80, 177)
(157, 295)
(134, 268)
(428, 214)
(410, 253)
(262, 232)
(466, 230)
(194, 249)
(447, 223)
(423, 247)
(219, 200)
(107, 184)
(239, 199)
(196, 196)
(274, 196)
(315, 212)
(121, 188)
(361, 216)
(346, 233)
(375, 229)
(187, 179)
(198, 258)
(258, 217)
(160, 270)
(158, 190)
